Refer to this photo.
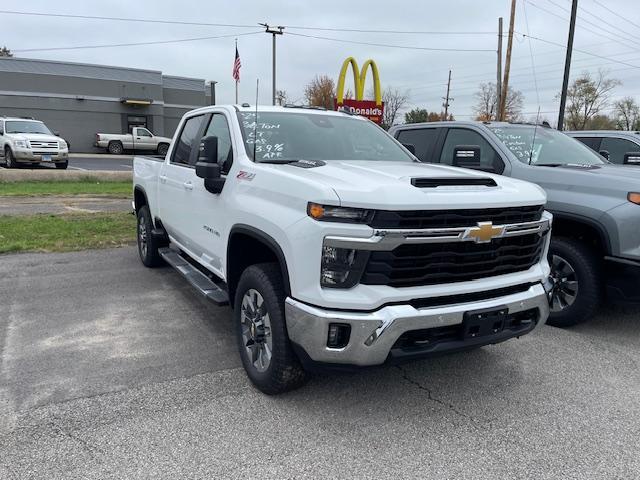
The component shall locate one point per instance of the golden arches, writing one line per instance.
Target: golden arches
(359, 78)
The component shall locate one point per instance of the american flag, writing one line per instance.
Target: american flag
(236, 67)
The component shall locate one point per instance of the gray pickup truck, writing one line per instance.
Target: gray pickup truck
(595, 247)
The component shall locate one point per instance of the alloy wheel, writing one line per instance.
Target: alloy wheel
(142, 236)
(256, 330)
(564, 281)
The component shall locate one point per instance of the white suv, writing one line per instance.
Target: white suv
(30, 142)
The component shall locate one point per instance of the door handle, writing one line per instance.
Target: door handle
(188, 185)
(163, 178)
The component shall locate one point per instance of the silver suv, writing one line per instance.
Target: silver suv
(28, 141)
(617, 146)
(595, 247)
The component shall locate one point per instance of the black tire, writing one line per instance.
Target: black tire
(147, 244)
(284, 371)
(115, 148)
(9, 159)
(163, 148)
(586, 271)
(62, 165)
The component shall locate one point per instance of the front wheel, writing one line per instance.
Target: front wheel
(576, 280)
(10, 160)
(261, 331)
(62, 165)
(162, 149)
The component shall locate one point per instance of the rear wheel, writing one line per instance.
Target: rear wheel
(62, 165)
(147, 244)
(261, 331)
(115, 148)
(576, 282)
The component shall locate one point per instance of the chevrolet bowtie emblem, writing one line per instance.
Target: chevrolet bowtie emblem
(484, 232)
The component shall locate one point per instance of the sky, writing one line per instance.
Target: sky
(607, 37)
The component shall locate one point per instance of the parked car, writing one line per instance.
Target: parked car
(334, 245)
(617, 146)
(140, 139)
(595, 247)
(29, 142)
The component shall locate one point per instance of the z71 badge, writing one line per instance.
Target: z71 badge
(242, 175)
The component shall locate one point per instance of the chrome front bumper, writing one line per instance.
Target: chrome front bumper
(373, 334)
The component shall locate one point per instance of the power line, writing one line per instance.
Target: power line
(406, 47)
(122, 19)
(616, 14)
(598, 18)
(135, 44)
(404, 32)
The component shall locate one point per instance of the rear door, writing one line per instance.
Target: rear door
(177, 180)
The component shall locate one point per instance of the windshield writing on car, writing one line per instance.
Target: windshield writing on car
(544, 146)
(289, 136)
(19, 126)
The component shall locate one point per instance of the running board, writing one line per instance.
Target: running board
(195, 277)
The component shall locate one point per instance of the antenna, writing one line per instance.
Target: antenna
(255, 125)
(533, 140)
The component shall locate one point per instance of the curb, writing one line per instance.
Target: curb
(99, 156)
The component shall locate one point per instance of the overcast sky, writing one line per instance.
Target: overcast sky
(422, 73)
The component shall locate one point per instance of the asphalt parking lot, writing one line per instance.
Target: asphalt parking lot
(111, 370)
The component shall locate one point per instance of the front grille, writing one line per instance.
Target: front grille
(46, 152)
(40, 144)
(416, 219)
(411, 265)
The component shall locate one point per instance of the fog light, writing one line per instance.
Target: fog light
(339, 334)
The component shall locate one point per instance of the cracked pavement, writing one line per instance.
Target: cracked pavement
(111, 370)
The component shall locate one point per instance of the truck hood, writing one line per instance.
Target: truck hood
(35, 137)
(387, 185)
(606, 179)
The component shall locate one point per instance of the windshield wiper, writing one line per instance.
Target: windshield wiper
(278, 161)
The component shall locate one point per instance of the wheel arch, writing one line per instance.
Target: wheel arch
(577, 226)
(247, 246)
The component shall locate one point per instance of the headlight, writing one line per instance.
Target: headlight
(634, 197)
(341, 267)
(328, 213)
(21, 143)
(62, 144)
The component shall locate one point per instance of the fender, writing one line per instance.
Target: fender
(602, 231)
(269, 242)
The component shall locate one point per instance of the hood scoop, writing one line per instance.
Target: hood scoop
(453, 182)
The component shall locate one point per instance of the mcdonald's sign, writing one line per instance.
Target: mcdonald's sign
(372, 109)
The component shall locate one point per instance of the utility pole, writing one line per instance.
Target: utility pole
(567, 64)
(507, 63)
(447, 99)
(499, 70)
(273, 31)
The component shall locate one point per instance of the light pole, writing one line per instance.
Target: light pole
(279, 30)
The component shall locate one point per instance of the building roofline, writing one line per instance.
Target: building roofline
(59, 62)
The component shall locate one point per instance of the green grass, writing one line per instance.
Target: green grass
(85, 186)
(63, 233)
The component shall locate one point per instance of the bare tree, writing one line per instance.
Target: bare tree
(627, 112)
(320, 92)
(5, 52)
(586, 98)
(281, 97)
(486, 108)
(394, 101)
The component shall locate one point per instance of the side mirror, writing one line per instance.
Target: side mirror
(604, 153)
(468, 156)
(632, 158)
(56, 133)
(411, 147)
(208, 168)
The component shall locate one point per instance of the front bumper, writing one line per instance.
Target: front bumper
(374, 335)
(31, 156)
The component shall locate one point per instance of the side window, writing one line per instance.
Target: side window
(218, 127)
(143, 132)
(422, 139)
(592, 142)
(184, 145)
(1, 127)
(617, 147)
(489, 158)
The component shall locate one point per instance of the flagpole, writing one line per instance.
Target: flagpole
(236, 80)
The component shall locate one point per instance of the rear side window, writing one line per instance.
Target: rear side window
(592, 142)
(489, 158)
(184, 144)
(617, 147)
(422, 139)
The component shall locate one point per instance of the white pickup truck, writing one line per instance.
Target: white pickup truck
(139, 139)
(335, 246)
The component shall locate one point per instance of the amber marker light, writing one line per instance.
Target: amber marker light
(634, 197)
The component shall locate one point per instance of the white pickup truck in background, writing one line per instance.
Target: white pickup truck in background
(140, 139)
(335, 246)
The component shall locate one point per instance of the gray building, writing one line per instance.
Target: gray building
(79, 100)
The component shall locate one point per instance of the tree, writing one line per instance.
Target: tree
(394, 101)
(627, 113)
(281, 97)
(320, 92)
(5, 52)
(486, 108)
(586, 98)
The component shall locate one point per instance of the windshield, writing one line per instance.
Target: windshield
(551, 147)
(21, 126)
(291, 136)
